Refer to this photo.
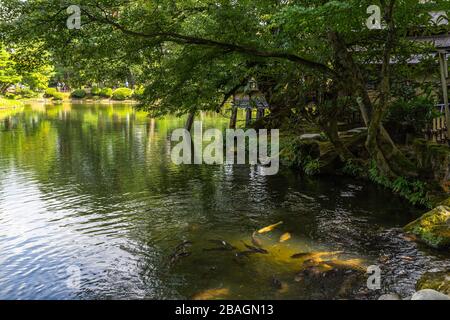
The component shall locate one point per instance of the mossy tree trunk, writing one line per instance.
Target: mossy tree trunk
(388, 158)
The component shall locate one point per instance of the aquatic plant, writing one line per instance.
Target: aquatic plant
(415, 191)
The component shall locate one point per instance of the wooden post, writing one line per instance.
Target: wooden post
(233, 118)
(190, 121)
(260, 114)
(248, 117)
(444, 76)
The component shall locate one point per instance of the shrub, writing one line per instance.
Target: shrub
(50, 92)
(58, 96)
(26, 93)
(353, 168)
(122, 94)
(96, 91)
(78, 94)
(138, 94)
(412, 115)
(10, 96)
(106, 93)
(298, 153)
(412, 190)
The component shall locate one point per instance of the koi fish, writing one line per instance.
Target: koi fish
(269, 228)
(255, 249)
(285, 237)
(255, 241)
(211, 294)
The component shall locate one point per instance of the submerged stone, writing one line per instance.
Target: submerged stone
(429, 294)
(390, 296)
(433, 228)
(312, 136)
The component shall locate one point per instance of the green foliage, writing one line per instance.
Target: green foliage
(58, 96)
(193, 55)
(10, 96)
(8, 73)
(78, 94)
(54, 94)
(39, 79)
(414, 113)
(106, 93)
(50, 92)
(121, 94)
(301, 154)
(353, 169)
(413, 190)
(26, 93)
(95, 91)
(311, 166)
(138, 93)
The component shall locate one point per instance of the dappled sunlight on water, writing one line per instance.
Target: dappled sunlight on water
(92, 186)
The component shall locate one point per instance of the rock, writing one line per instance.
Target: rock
(357, 130)
(312, 136)
(439, 281)
(429, 294)
(390, 296)
(433, 227)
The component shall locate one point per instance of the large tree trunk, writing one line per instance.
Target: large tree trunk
(329, 124)
(389, 160)
(331, 130)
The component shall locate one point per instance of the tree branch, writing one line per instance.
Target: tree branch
(229, 47)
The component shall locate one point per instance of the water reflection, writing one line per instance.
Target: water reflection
(92, 186)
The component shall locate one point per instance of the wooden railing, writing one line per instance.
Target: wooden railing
(437, 130)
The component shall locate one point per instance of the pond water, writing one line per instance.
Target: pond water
(91, 207)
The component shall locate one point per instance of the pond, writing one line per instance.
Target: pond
(91, 207)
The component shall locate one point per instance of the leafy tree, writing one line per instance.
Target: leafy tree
(193, 54)
(8, 73)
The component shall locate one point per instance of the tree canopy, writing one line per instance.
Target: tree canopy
(8, 73)
(193, 54)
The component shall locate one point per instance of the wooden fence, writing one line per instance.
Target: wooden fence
(437, 130)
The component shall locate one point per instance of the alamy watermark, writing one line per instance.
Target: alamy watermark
(241, 147)
(74, 19)
(374, 21)
(374, 279)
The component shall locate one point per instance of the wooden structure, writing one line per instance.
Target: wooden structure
(437, 130)
(440, 125)
(248, 98)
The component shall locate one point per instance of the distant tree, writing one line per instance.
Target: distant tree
(8, 73)
(32, 62)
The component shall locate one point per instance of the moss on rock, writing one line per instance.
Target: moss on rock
(433, 227)
(439, 281)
